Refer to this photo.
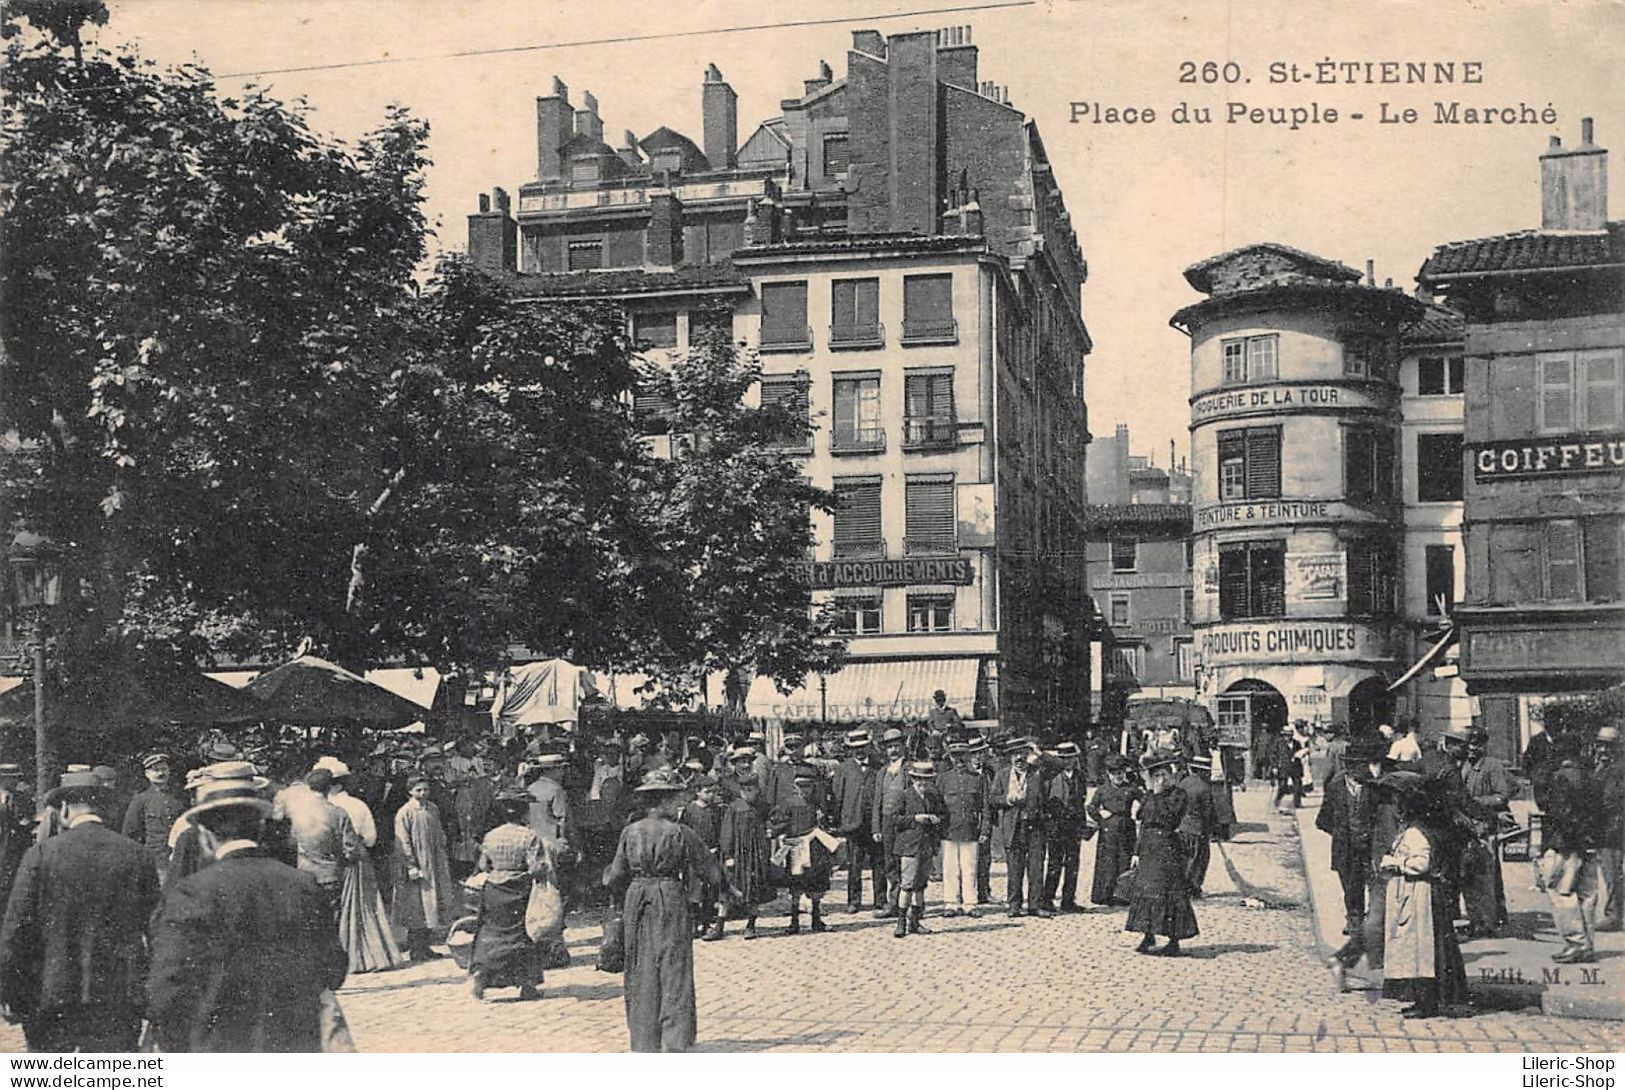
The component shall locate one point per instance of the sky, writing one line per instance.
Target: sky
(1147, 198)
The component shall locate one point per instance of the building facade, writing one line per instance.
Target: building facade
(1140, 551)
(895, 248)
(1544, 446)
(1295, 430)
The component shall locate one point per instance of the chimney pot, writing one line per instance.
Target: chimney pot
(485, 202)
(1370, 273)
(1574, 184)
(1555, 142)
(1585, 132)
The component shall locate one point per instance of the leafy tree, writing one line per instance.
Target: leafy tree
(733, 513)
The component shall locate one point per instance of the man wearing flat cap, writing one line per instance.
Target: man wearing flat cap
(153, 812)
(73, 954)
(244, 948)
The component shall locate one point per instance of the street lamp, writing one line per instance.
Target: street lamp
(37, 581)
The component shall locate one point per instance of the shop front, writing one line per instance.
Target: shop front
(885, 691)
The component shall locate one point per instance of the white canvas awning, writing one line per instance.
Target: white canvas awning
(887, 690)
(417, 684)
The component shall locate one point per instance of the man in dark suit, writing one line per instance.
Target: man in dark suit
(152, 813)
(1019, 800)
(1068, 795)
(244, 948)
(73, 955)
(1346, 816)
(852, 798)
(1196, 827)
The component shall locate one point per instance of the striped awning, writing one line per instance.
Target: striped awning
(884, 690)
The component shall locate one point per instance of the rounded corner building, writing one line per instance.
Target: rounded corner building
(1295, 431)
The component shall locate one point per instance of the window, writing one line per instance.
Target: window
(1438, 468)
(1250, 359)
(1250, 464)
(858, 614)
(651, 411)
(835, 155)
(928, 410)
(586, 253)
(1187, 606)
(856, 426)
(855, 314)
(1371, 578)
(1368, 465)
(928, 515)
(1190, 553)
(1126, 662)
(1119, 606)
(1252, 579)
(1441, 579)
(1439, 375)
(1563, 560)
(857, 520)
(655, 330)
(1185, 659)
(1125, 555)
(1579, 391)
(928, 309)
(789, 392)
(784, 317)
(710, 326)
(584, 169)
(1231, 713)
(930, 612)
(1367, 357)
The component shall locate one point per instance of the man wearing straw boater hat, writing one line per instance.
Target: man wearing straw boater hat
(244, 948)
(852, 797)
(73, 954)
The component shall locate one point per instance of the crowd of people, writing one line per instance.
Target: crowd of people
(1415, 842)
(168, 906)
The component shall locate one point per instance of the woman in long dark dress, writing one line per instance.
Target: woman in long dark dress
(742, 843)
(1162, 901)
(1112, 811)
(512, 858)
(656, 858)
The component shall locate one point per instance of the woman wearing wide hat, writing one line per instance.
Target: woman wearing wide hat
(1112, 811)
(1161, 903)
(656, 857)
(512, 858)
(1421, 959)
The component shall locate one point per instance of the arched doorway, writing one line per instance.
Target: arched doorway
(1252, 710)
(1370, 703)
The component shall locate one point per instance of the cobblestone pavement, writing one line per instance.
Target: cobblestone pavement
(1251, 983)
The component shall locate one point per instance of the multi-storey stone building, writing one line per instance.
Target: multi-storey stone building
(896, 248)
(1295, 429)
(1544, 611)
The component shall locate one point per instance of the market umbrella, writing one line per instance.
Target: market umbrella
(313, 692)
(126, 697)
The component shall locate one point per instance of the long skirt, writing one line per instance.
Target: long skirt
(503, 954)
(1162, 901)
(363, 925)
(1224, 807)
(749, 876)
(1422, 961)
(1113, 851)
(659, 934)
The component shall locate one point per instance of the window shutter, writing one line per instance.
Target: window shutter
(1563, 561)
(1601, 397)
(1263, 463)
(929, 516)
(1556, 394)
(843, 304)
(866, 303)
(1268, 575)
(857, 518)
(1602, 560)
(784, 312)
(1232, 581)
(1357, 462)
(927, 298)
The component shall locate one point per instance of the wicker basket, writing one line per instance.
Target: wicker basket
(460, 941)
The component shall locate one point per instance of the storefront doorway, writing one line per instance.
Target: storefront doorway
(1370, 703)
(1248, 713)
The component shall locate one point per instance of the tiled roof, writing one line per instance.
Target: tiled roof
(1526, 251)
(1314, 265)
(1282, 291)
(1440, 325)
(722, 277)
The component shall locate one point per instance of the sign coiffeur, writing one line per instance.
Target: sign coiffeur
(1548, 456)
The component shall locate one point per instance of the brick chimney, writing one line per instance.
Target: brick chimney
(1574, 185)
(663, 242)
(956, 57)
(914, 182)
(555, 124)
(493, 236)
(870, 42)
(826, 76)
(587, 120)
(719, 110)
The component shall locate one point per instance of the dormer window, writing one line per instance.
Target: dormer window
(670, 159)
(584, 169)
